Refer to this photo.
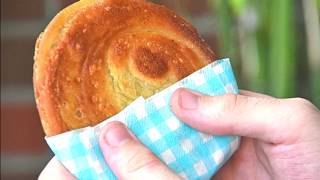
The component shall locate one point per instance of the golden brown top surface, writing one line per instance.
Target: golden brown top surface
(97, 56)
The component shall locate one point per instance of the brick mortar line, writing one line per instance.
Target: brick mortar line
(16, 29)
(17, 95)
(13, 164)
(12, 29)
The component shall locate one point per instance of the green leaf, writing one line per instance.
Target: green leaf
(226, 30)
(282, 39)
(238, 6)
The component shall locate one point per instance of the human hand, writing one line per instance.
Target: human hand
(281, 137)
(124, 154)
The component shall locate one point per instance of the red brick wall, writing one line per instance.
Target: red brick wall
(17, 9)
(24, 151)
(21, 132)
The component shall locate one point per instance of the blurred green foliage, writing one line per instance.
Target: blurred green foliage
(282, 49)
(274, 45)
(271, 47)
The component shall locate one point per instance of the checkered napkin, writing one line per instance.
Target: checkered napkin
(188, 152)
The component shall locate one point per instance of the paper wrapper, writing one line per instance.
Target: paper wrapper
(188, 152)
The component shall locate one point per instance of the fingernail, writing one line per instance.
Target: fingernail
(188, 100)
(116, 134)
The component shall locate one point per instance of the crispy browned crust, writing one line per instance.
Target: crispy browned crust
(97, 56)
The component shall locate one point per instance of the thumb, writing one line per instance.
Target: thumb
(261, 117)
(128, 158)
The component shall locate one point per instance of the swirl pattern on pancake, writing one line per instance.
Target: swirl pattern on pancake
(97, 56)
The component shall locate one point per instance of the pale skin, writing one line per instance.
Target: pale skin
(280, 138)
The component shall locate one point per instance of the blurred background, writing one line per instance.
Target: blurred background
(274, 46)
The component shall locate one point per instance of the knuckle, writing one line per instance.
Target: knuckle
(302, 101)
(299, 114)
(230, 102)
(141, 160)
(300, 106)
(234, 103)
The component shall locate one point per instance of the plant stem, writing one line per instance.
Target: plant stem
(282, 39)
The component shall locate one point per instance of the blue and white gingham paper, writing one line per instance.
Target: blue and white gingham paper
(188, 152)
